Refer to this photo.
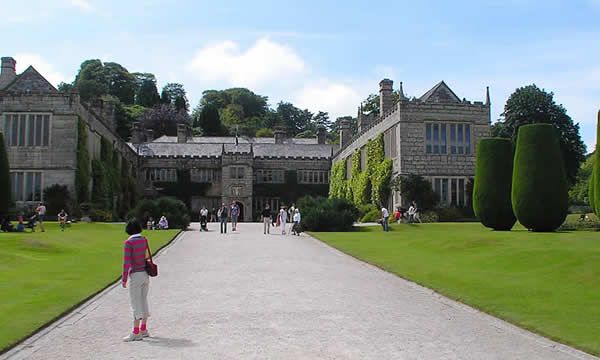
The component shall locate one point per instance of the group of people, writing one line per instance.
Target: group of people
(163, 224)
(37, 218)
(281, 219)
(224, 214)
(412, 214)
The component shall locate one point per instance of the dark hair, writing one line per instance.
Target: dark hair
(133, 227)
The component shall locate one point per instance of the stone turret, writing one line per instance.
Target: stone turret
(8, 72)
(386, 100)
(137, 135)
(345, 134)
(321, 135)
(280, 134)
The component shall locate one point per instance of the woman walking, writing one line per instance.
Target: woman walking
(282, 219)
(134, 269)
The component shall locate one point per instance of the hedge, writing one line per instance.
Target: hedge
(539, 184)
(595, 189)
(174, 210)
(322, 214)
(493, 180)
(5, 187)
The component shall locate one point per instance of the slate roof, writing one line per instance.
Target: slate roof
(231, 140)
(263, 150)
(440, 93)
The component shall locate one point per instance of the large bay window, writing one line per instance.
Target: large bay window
(439, 135)
(27, 129)
(450, 190)
(26, 185)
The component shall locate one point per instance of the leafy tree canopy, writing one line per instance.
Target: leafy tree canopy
(147, 94)
(174, 93)
(96, 79)
(532, 105)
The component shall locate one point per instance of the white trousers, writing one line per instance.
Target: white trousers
(138, 285)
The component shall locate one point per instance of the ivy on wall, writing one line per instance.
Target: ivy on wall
(82, 172)
(371, 185)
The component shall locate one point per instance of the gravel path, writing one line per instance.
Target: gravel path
(248, 295)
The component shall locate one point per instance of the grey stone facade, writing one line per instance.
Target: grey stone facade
(404, 125)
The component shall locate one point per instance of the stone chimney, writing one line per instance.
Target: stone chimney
(8, 72)
(182, 133)
(321, 135)
(345, 134)
(386, 100)
(280, 134)
(136, 133)
(149, 135)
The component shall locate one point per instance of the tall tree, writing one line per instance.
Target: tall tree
(5, 188)
(532, 105)
(91, 80)
(322, 119)
(147, 95)
(174, 93)
(295, 119)
(208, 120)
(121, 84)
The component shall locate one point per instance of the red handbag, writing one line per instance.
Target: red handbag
(151, 267)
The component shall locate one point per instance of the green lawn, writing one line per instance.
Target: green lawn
(545, 282)
(44, 274)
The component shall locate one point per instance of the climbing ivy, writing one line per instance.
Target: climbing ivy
(369, 186)
(82, 172)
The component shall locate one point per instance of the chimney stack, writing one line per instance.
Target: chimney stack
(280, 134)
(182, 133)
(321, 135)
(386, 100)
(345, 134)
(149, 135)
(8, 72)
(136, 133)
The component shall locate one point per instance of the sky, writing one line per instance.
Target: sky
(324, 55)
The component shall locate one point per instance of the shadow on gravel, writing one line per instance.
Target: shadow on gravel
(168, 342)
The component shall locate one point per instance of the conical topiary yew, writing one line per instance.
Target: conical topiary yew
(5, 188)
(493, 180)
(539, 184)
(594, 193)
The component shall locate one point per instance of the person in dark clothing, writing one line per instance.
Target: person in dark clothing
(223, 218)
(265, 217)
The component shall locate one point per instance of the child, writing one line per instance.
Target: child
(397, 216)
(62, 219)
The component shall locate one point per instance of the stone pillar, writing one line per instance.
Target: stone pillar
(386, 100)
(136, 133)
(182, 133)
(7, 72)
(280, 134)
(321, 135)
(345, 134)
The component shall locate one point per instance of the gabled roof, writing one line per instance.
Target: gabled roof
(30, 81)
(440, 93)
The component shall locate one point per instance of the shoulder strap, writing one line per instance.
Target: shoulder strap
(149, 252)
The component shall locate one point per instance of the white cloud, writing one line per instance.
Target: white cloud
(46, 69)
(83, 5)
(263, 63)
(337, 98)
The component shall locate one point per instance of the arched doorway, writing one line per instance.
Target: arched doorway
(241, 216)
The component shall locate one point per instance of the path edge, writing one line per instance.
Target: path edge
(28, 340)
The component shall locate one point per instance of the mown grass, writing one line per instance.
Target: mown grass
(44, 274)
(545, 282)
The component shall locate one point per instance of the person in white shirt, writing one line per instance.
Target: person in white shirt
(296, 226)
(411, 214)
(282, 219)
(385, 215)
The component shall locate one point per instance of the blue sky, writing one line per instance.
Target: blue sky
(324, 55)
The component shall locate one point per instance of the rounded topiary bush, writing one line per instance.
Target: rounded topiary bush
(322, 214)
(539, 184)
(493, 180)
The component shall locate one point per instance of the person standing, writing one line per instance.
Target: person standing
(291, 212)
(213, 215)
(416, 216)
(411, 213)
(41, 212)
(296, 227)
(134, 269)
(385, 216)
(282, 219)
(397, 216)
(223, 218)
(235, 212)
(62, 219)
(265, 217)
(203, 218)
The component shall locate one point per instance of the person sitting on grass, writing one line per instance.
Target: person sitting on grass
(20, 226)
(7, 226)
(62, 219)
(163, 224)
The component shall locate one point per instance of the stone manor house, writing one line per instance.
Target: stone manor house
(433, 136)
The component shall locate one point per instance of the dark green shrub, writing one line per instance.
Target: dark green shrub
(101, 215)
(592, 190)
(595, 193)
(174, 210)
(363, 209)
(430, 217)
(322, 214)
(372, 216)
(57, 197)
(539, 186)
(5, 188)
(416, 188)
(450, 214)
(493, 179)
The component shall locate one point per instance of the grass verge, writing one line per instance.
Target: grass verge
(545, 282)
(42, 275)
